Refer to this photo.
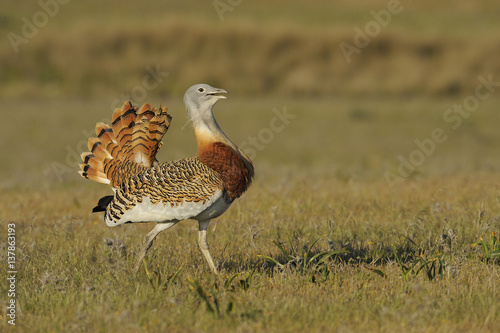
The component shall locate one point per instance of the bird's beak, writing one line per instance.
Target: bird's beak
(218, 93)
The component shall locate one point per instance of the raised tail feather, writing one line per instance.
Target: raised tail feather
(126, 147)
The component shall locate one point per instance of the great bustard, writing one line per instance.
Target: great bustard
(201, 188)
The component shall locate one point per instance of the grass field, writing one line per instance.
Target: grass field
(358, 218)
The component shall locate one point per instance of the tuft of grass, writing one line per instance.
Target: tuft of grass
(308, 262)
(433, 267)
(155, 278)
(211, 299)
(490, 248)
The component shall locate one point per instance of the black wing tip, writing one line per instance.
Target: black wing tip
(102, 204)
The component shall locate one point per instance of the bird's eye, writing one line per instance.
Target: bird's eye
(201, 89)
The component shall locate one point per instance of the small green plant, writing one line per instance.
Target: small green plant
(229, 281)
(378, 272)
(243, 283)
(491, 248)
(405, 269)
(433, 267)
(155, 278)
(211, 298)
(307, 261)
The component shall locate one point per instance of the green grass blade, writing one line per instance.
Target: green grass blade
(216, 301)
(229, 307)
(248, 280)
(328, 255)
(287, 256)
(201, 293)
(378, 272)
(307, 254)
(423, 265)
(404, 271)
(271, 260)
(172, 277)
(494, 254)
(312, 245)
(228, 282)
(148, 275)
(158, 277)
(292, 249)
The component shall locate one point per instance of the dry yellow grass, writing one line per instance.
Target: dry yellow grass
(75, 272)
(314, 179)
(411, 263)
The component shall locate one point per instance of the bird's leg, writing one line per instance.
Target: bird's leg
(203, 244)
(148, 241)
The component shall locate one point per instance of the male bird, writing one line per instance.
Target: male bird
(201, 188)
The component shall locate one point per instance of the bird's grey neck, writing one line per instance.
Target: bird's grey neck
(204, 120)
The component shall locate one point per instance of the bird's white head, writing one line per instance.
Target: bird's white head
(200, 98)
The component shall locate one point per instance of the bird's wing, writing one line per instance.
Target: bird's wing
(172, 191)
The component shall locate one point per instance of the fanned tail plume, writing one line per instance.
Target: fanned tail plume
(126, 147)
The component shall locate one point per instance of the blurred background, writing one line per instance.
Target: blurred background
(373, 126)
(336, 89)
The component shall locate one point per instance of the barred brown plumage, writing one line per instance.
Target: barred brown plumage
(169, 183)
(123, 155)
(126, 148)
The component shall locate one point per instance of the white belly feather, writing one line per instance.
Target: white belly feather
(148, 212)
